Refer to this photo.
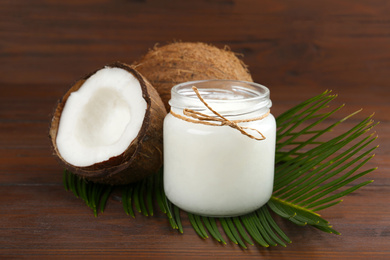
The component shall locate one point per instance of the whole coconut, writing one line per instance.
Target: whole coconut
(180, 62)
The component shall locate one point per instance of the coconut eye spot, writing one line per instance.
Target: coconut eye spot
(103, 119)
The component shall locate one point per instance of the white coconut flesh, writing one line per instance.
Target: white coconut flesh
(102, 118)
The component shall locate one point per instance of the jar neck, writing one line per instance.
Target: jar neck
(232, 99)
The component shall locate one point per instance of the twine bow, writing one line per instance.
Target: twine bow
(200, 118)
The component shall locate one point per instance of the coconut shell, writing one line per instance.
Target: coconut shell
(143, 156)
(180, 62)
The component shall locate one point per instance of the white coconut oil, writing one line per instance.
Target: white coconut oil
(218, 170)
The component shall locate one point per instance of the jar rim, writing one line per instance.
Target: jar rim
(243, 94)
(263, 93)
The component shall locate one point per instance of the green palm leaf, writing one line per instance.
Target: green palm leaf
(309, 180)
(311, 173)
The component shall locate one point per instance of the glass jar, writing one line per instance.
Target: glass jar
(224, 167)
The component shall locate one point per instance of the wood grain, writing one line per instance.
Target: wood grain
(296, 48)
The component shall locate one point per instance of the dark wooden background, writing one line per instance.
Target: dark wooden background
(296, 48)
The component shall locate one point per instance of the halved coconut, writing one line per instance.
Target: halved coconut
(108, 126)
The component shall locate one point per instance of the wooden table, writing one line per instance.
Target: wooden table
(296, 48)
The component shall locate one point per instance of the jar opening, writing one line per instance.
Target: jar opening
(225, 96)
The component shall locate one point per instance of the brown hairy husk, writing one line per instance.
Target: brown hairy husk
(180, 62)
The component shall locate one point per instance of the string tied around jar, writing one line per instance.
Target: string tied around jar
(200, 118)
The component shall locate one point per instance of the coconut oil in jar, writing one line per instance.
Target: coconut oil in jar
(219, 161)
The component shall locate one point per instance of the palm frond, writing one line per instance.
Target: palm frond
(94, 195)
(312, 173)
(309, 180)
